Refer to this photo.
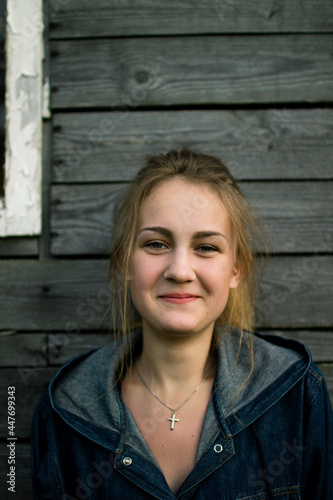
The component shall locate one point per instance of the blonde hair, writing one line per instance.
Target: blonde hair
(199, 169)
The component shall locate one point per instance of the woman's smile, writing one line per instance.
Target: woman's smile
(179, 298)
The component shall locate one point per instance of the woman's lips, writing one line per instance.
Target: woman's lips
(176, 298)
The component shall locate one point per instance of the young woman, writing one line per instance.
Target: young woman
(187, 402)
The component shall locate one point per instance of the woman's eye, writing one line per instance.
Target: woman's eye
(156, 245)
(207, 248)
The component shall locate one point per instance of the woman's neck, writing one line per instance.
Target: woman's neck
(175, 366)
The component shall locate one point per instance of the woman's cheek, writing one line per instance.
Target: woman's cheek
(146, 270)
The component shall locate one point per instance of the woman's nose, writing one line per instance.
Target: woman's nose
(179, 268)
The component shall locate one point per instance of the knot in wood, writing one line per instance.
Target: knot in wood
(142, 76)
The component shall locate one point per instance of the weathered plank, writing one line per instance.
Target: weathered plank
(18, 349)
(72, 295)
(86, 211)
(62, 347)
(293, 283)
(54, 295)
(23, 489)
(82, 18)
(269, 144)
(18, 247)
(299, 215)
(191, 70)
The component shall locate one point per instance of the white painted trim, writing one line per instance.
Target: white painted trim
(20, 210)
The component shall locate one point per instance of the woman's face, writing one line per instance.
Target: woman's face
(183, 261)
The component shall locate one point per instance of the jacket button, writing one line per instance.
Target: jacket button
(218, 448)
(127, 461)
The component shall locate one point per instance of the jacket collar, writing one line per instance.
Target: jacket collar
(85, 395)
(242, 393)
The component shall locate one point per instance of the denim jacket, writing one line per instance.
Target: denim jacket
(267, 438)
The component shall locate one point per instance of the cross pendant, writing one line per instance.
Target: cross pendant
(173, 420)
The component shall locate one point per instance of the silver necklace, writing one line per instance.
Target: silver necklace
(173, 419)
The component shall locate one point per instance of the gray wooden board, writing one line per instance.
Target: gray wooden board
(72, 295)
(299, 215)
(81, 218)
(27, 349)
(102, 18)
(54, 295)
(293, 283)
(191, 70)
(267, 144)
(23, 489)
(63, 347)
(18, 246)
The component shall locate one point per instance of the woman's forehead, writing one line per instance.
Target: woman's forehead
(200, 194)
(179, 202)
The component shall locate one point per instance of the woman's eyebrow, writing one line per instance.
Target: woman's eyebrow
(207, 234)
(197, 235)
(157, 229)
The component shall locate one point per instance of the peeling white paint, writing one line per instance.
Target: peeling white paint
(20, 213)
(46, 99)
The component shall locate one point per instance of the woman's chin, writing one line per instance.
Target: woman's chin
(182, 329)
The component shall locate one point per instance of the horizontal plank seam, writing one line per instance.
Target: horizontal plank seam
(285, 106)
(196, 34)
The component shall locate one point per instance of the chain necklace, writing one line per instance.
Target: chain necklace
(173, 419)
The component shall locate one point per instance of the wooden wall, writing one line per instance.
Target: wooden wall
(250, 82)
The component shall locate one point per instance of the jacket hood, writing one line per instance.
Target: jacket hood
(84, 392)
(246, 389)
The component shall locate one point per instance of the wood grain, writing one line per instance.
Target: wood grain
(292, 284)
(299, 215)
(72, 295)
(23, 349)
(62, 347)
(82, 18)
(65, 295)
(165, 71)
(81, 218)
(268, 144)
(18, 247)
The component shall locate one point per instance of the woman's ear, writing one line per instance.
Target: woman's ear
(237, 274)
